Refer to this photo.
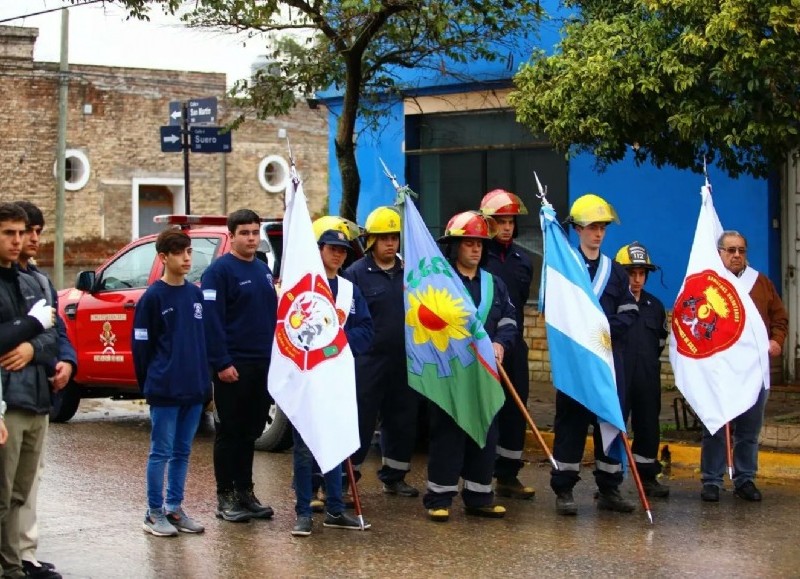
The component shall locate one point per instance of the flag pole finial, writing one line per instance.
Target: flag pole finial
(705, 173)
(542, 191)
(402, 190)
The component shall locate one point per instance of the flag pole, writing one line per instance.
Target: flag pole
(526, 414)
(637, 479)
(728, 450)
(728, 445)
(351, 478)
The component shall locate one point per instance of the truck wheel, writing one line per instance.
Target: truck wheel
(277, 435)
(64, 403)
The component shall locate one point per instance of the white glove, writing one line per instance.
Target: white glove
(44, 313)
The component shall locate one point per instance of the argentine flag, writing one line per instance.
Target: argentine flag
(578, 334)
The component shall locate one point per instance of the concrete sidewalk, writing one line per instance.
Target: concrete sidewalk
(780, 437)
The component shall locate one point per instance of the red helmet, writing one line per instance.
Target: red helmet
(502, 202)
(471, 224)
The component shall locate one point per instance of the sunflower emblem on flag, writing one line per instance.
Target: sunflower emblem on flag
(436, 316)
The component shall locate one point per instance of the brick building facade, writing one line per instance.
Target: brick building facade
(114, 115)
(117, 175)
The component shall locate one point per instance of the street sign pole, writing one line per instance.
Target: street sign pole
(185, 139)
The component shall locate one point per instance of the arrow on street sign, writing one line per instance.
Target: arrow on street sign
(171, 139)
(175, 114)
(210, 140)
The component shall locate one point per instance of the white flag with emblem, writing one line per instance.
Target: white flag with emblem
(312, 374)
(719, 344)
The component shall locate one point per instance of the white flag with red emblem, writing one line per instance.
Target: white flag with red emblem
(719, 345)
(312, 373)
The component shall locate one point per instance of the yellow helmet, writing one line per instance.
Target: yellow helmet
(591, 208)
(634, 255)
(382, 220)
(323, 224)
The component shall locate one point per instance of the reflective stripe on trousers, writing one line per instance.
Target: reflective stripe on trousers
(505, 453)
(434, 488)
(608, 467)
(573, 466)
(477, 487)
(396, 464)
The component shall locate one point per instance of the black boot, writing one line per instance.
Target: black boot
(653, 488)
(230, 509)
(252, 505)
(611, 500)
(565, 503)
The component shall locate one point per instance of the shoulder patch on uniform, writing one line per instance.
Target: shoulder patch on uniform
(210, 295)
(140, 334)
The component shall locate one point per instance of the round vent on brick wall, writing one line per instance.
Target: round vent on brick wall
(77, 168)
(273, 174)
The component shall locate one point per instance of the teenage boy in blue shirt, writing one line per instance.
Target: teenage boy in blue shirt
(241, 308)
(169, 353)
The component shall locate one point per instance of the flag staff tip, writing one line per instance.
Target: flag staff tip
(542, 191)
(402, 190)
(705, 172)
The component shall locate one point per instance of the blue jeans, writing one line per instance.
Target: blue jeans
(173, 429)
(745, 429)
(303, 472)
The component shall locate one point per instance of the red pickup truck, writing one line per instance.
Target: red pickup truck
(98, 313)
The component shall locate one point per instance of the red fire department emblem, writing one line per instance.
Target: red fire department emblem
(309, 331)
(708, 316)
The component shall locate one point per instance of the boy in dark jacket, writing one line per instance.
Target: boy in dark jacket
(169, 352)
(28, 350)
(644, 343)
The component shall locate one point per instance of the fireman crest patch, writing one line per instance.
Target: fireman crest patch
(309, 329)
(708, 316)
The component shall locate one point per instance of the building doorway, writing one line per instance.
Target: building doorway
(151, 197)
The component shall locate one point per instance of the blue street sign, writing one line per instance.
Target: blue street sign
(209, 140)
(203, 110)
(170, 139)
(175, 112)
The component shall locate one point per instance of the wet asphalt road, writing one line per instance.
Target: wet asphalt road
(92, 504)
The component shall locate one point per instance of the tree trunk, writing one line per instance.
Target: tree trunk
(348, 170)
(345, 142)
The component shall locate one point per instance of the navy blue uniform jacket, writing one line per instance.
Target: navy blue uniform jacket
(383, 292)
(169, 347)
(240, 311)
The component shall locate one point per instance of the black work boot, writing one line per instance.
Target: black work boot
(748, 492)
(710, 493)
(251, 504)
(400, 488)
(565, 503)
(230, 509)
(653, 488)
(513, 488)
(611, 500)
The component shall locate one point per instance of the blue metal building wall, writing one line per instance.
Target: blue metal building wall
(659, 208)
(371, 146)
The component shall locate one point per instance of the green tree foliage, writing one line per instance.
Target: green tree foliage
(672, 80)
(357, 47)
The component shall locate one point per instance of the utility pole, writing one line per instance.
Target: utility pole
(61, 165)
